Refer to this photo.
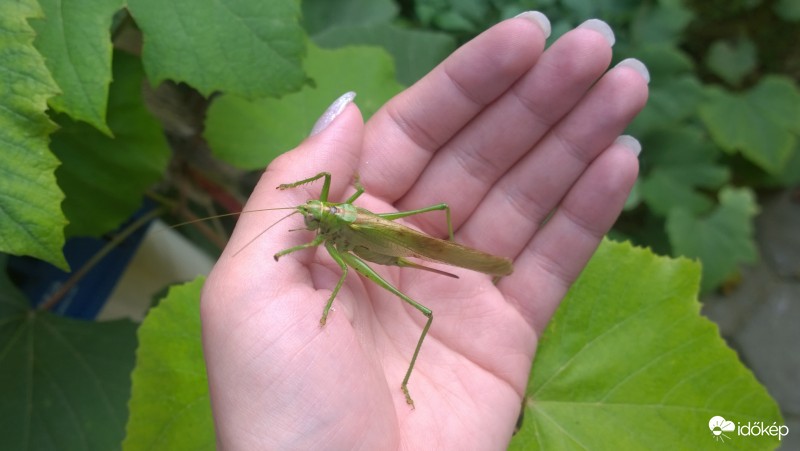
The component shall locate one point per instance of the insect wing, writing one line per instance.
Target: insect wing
(391, 238)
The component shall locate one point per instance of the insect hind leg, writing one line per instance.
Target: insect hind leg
(362, 268)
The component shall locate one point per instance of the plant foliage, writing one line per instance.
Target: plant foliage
(65, 383)
(170, 360)
(108, 102)
(593, 387)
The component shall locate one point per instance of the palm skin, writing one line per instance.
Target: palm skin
(508, 135)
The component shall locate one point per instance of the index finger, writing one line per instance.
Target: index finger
(402, 137)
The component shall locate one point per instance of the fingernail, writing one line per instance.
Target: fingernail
(539, 19)
(630, 143)
(600, 27)
(636, 65)
(332, 112)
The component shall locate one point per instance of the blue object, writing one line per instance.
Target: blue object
(38, 280)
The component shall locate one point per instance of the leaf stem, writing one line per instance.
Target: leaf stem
(76, 276)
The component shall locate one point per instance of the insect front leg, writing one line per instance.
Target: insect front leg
(337, 257)
(326, 185)
(316, 242)
(404, 214)
(364, 269)
(359, 190)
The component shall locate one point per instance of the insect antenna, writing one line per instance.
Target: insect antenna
(225, 215)
(265, 230)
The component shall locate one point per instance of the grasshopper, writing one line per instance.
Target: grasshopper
(354, 236)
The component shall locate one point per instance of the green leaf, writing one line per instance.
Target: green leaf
(732, 61)
(683, 160)
(31, 221)
(363, 22)
(248, 48)
(634, 198)
(249, 134)
(661, 22)
(415, 52)
(105, 178)
(664, 62)
(453, 15)
(663, 190)
(791, 172)
(74, 39)
(670, 103)
(788, 10)
(169, 406)
(721, 240)
(628, 362)
(322, 15)
(761, 124)
(64, 383)
(581, 8)
(612, 11)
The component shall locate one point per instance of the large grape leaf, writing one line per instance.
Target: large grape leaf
(683, 161)
(64, 383)
(762, 123)
(104, 178)
(249, 134)
(628, 362)
(169, 406)
(74, 38)
(721, 239)
(250, 48)
(31, 221)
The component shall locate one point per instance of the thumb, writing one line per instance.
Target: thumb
(334, 146)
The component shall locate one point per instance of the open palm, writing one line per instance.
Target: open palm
(522, 145)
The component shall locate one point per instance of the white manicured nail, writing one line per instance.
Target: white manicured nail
(600, 27)
(332, 112)
(630, 143)
(539, 19)
(638, 66)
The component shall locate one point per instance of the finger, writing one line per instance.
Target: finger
(527, 194)
(402, 136)
(334, 148)
(555, 256)
(504, 132)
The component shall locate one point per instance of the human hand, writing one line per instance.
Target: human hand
(522, 145)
